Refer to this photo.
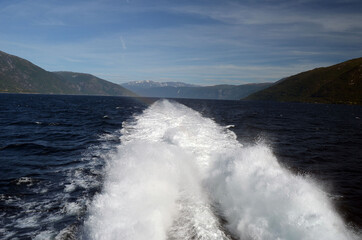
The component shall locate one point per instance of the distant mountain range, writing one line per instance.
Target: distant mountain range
(145, 84)
(18, 75)
(184, 90)
(340, 83)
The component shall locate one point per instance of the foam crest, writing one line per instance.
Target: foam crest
(178, 125)
(178, 175)
(261, 200)
(140, 193)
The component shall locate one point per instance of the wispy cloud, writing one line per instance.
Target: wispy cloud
(195, 41)
(281, 12)
(124, 47)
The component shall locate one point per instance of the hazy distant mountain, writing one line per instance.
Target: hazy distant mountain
(18, 75)
(184, 90)
(153, 84)
(340, 83)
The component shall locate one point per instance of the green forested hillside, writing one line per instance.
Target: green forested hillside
(88, 84)
(18, 75)
(340, 83)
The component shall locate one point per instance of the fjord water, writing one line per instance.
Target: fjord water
(77, 167)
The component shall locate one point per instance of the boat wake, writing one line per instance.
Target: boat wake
(178, 175)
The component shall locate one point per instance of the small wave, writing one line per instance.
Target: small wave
(30, 146)
(25, 180)
(44, 208)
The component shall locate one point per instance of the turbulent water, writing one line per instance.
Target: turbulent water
(117, 168)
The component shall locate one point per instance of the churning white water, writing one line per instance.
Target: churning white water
(178, 175)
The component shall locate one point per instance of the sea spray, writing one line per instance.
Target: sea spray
(177, 174)
(262, 200)
(139, 195)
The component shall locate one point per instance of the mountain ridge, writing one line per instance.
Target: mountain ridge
(340, 83)
(18, 75)
(152, 84)
(183, 90)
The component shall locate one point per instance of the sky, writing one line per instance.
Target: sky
(205, 42)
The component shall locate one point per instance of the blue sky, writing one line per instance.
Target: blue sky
(202, 42)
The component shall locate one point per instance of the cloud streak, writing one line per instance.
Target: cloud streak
(123, 43)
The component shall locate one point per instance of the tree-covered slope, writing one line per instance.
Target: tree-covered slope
(340, 83)
(18, 75)
(87, 84)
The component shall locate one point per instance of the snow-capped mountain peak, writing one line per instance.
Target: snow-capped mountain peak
(153, 84)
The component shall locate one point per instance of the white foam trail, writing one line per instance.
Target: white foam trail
(261, 200)
(174, 164)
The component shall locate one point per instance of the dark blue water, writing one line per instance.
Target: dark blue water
(53, 150)
(51, 156)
